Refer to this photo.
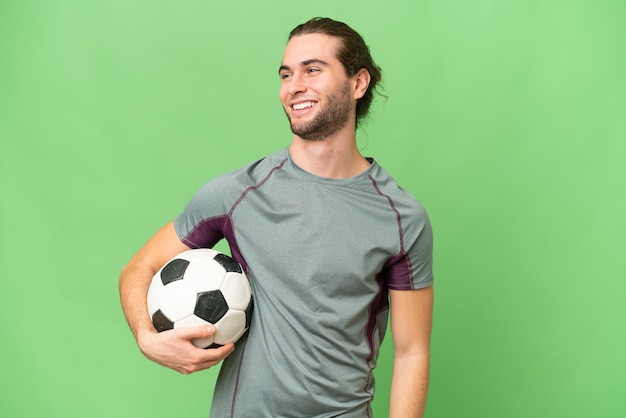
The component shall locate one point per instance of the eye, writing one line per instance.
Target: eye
(285, 76)
(313, 70)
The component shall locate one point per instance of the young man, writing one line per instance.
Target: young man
(330, 243)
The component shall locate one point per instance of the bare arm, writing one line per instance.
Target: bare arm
(173, 348)
(411, 325)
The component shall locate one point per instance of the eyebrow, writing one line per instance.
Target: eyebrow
(304, 64)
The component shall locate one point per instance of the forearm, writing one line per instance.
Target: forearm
(136, 277)
(173, 348)
(409, 385)
(411, 325)
(133, 286)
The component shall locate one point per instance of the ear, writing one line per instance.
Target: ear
(361, 83)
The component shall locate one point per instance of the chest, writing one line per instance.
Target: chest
(307, 236)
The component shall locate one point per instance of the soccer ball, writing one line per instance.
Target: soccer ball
(202, 286)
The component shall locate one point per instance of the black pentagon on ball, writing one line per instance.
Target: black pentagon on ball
(229, 264)
(211, 306)
(249, 310)
(161, 322)
(174, 270)
(214, 345)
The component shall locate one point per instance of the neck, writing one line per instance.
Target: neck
(333, 157)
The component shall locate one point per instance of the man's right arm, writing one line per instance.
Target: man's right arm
(172, 348)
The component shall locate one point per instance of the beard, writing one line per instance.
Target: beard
(330, 119)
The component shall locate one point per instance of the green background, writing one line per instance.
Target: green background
(507, 119)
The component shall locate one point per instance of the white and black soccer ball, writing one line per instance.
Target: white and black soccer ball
(202, 286)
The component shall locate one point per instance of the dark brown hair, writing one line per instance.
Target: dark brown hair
(353, 53)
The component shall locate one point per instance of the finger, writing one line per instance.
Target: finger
(196, 367)
(224, 350)
(200, 331)
(215, 354)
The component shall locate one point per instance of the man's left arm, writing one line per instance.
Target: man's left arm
(411, 325)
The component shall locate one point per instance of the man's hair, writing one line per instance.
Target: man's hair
(353, 53)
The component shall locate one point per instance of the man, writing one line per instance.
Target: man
(330, 243)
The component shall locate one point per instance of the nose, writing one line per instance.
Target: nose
(296, 84)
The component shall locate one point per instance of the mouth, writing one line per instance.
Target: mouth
(303, 105)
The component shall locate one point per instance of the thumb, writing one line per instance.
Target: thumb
(200, 336)
(198, 331)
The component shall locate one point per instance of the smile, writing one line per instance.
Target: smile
(303, 105)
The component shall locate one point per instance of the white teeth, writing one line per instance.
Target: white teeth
(299, 106)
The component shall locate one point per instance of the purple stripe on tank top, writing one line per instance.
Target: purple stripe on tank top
(378, 306)
(398, 268)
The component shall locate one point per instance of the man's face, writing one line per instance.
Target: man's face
(315, 91)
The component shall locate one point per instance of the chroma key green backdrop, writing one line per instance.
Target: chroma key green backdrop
(507, 120)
